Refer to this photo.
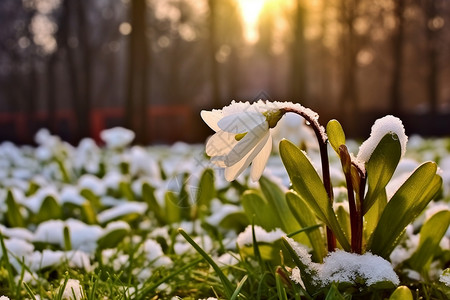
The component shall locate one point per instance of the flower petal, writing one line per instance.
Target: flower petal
(211, 118)
(241, 122)
(248, 142)
(220, 144)
(259, 163)
(235, 170)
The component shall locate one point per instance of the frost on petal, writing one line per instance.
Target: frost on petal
(341, 266)
(260, 161)
(386, 125)
(241, 122)
(211, 118)
(246, 237)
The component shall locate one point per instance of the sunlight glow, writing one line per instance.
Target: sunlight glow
(251, 9)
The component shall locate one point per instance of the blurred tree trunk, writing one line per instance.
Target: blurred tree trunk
(215, 88)
(433, 27)
(138, 72)
(348, 99)
(397, 55)
(83, 109)
(298, 56)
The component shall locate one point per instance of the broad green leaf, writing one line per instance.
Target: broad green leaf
(257, 209)
(206, 189)
(309, 187)
(126, 191)
(32, 188)
(237, 221)
(306, 218)
(373, 215)
(401, 293)
(13, 217)
(431, 234)
(88, 213)
(173, 210)
(277, 203)
(148, 195)
(50, 210)
(380, 168)
(112, 239)
(406, 204)
(336, 135)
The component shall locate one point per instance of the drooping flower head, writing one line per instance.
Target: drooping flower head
(242, 136)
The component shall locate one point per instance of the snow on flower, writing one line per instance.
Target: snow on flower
(261, 235)
(386, 125)
(73, 290)
(242, 138)
(445, 277)
(117, 137)
(243, 134)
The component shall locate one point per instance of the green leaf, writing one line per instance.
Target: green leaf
(336, 135)
(50, 210)
(206, 189)
(306, 218)
(431, 234)
(257, 209)
(88, 213)
(406, 204)
(126, 191)
(277, 203)
(112, 239)
(381, 167)
(238, 288)
(334, 294)
(173, 210)
(306, 273)
(148, 195)
(13, 217)
(401, 293)
(93, 199)
(67, 242)
(281, 291)
(309, 187)
(372, 217)
(228, 287)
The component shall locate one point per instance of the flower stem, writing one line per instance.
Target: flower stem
(322, 140)
(355, 213)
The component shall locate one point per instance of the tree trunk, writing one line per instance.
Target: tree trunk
(138, 74)
(298, 56)
(215, 89)
(397, 51)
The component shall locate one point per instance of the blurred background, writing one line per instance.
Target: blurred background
(79, 66)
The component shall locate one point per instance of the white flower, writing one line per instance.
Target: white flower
(242, 137)
(117, 137)
(73, 290)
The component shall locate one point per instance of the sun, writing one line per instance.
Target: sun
(250, 10)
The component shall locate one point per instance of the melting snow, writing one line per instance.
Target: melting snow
(261, 235)
(386, 125)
